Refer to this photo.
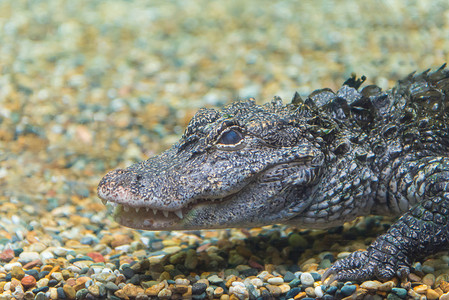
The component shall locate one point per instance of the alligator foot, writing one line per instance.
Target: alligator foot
(376, 262)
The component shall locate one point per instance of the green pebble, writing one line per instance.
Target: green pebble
(401, 293)
(295, 282)
(297, 241)
(235, 258)
(81, 294)
(392, 296)
(191, 260)
(324, 264)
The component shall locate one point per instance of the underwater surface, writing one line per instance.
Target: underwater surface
(90, 86)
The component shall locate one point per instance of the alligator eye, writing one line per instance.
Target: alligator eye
(230, 137)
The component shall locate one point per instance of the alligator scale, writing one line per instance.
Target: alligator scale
(312, 163)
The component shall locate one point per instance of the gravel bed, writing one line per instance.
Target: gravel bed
(88, 86)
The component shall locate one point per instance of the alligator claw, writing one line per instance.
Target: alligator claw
(364, 265)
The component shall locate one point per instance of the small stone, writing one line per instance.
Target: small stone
(94, 290)
(443, 284)
(164, 294)
(218, 292)
(188, 294)
(7, 255)
(274, 290)
(297, 240)
(17, 272)
(289, 276)
(42, 282)
(445, 296)
(428, 269)
(130, 290)
(240, 291)
(182, 281)
(429, 279)
(432, 294)
(387, 286)
(414, 278)
(181, 288)
(111, 286)
(276, 280)
(319, 292)
(41, 296)
(420, 289)
(57, 276)
(96, 256)
(120, 240)
(371, 285)
(295, 282)
(53, 293)
(214, 279)
(400, 292)
(257, 282)
(27, 256)
(307, 279)
(198, 288)
(348, 290)
(155, 289)
(191, 260)
(32, 264)
(293, 292)
(284, 288)
(69, 291)
(310, 291)
(28, 281)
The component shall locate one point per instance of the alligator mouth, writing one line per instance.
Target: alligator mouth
(183, 218)
(147, 218)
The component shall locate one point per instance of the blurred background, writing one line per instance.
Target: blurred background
(87, 86)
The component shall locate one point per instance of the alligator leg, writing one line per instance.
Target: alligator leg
(421, 231)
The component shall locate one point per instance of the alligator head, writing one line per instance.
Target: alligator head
(246, 165)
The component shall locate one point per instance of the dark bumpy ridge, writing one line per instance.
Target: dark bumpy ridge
(313, 163)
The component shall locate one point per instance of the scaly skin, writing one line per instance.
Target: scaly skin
(315, 163)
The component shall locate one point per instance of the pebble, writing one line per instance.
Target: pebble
(371, 285)
(28, 281)
(198, 288)
(400, 292)
(276, 280)
(432, 294)
(26, 257)
(307, 279)
(348, 290)
(429, 279)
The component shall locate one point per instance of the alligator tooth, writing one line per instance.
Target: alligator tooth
(126, 208)
(154, 211)
(165, 213)
(147, 209)
(178, 213)
(137, 209)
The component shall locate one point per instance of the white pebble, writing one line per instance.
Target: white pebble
(319, 292)
(27, 256)
(123, 248)
(238, 290)
(307, 279)
(275, 280)
(238, 283)
(61, 251)
(257, 282)
(46, 255)
(8, 267)
(7, 286)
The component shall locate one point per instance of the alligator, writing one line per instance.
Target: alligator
(313, 163)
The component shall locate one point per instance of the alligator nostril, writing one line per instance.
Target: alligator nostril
(138, 177)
